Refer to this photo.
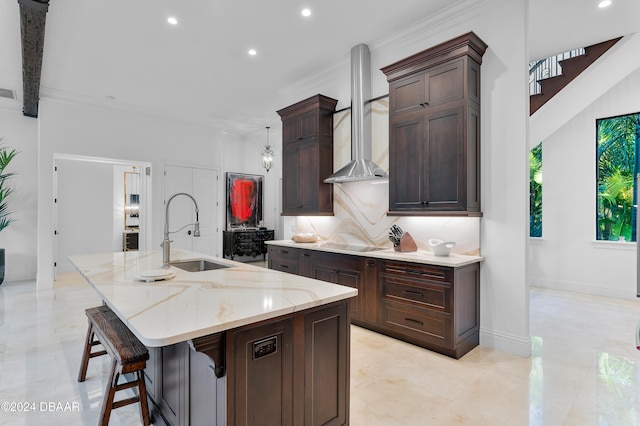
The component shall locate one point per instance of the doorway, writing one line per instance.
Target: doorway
(202, 184)
(90, 211)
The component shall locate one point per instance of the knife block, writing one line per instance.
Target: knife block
(406, 244)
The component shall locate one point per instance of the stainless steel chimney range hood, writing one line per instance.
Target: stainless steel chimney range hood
(360, 167)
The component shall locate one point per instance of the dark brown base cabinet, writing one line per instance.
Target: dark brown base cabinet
(291, 370)
(435, 307)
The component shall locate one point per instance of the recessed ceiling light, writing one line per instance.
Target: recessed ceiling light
(172, 20)
(306, 12)
(604, 3)
(252, 52)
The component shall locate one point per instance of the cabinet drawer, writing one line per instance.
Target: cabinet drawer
(283, 253)
(433, 296)
(284, 265)
(421, 324)
(417, 271)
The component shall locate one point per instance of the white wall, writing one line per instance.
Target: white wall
(86, 130)
(243, 156)
(19, 239)
(252, 164)
(502, 24)
(567, 257)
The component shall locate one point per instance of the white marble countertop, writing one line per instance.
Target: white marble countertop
(195, 304)
(420, 256)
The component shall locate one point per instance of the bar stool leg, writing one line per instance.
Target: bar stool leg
(142, 393)
(109, 393)
(86, 354)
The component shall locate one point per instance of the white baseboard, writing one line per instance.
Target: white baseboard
(515, 345)
(583, 288)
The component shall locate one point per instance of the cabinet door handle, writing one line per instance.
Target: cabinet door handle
(283, 266)
(414, 321)
(371, 264)
(413, 293)
(283, 251)
(413, 271)
(424, 104)
(305, 255)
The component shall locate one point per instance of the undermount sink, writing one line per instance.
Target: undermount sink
(198, 265)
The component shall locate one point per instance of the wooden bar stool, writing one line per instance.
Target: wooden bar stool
(128, 355)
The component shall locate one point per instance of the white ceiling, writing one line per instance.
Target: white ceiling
(124, 52)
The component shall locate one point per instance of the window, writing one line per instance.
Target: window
(535, 191)
(617, 158)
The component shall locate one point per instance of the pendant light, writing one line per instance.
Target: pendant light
(267, 154)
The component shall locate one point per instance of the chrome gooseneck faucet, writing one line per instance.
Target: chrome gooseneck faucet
(166, 243)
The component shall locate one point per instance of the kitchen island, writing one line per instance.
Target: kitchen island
(235, 345)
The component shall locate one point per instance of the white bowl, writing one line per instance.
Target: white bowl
(441, 248)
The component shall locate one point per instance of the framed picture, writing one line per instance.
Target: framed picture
(244, 200)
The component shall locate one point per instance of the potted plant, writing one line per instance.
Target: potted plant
(6, 155)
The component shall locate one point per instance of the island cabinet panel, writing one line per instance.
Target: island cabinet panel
(260, 369)
(206, 392)
(153, 372)
(326, 396)
(307, 156)
(434, 137)
(291, 371)
(174, 392)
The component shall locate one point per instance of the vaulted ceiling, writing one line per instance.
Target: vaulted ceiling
(125, 53)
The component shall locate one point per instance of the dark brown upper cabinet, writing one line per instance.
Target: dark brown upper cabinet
(434, 130)
(307, 151)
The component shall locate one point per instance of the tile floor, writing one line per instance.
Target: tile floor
(584, 371)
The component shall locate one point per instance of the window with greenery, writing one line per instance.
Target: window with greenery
(617, 162)
(535, 191)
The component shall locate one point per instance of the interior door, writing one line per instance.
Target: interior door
(202, 184)
(84, 210)
(205, 191)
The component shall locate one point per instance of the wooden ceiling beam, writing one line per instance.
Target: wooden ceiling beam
(33, 15)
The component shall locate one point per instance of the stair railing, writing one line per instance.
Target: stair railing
(547, 68)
